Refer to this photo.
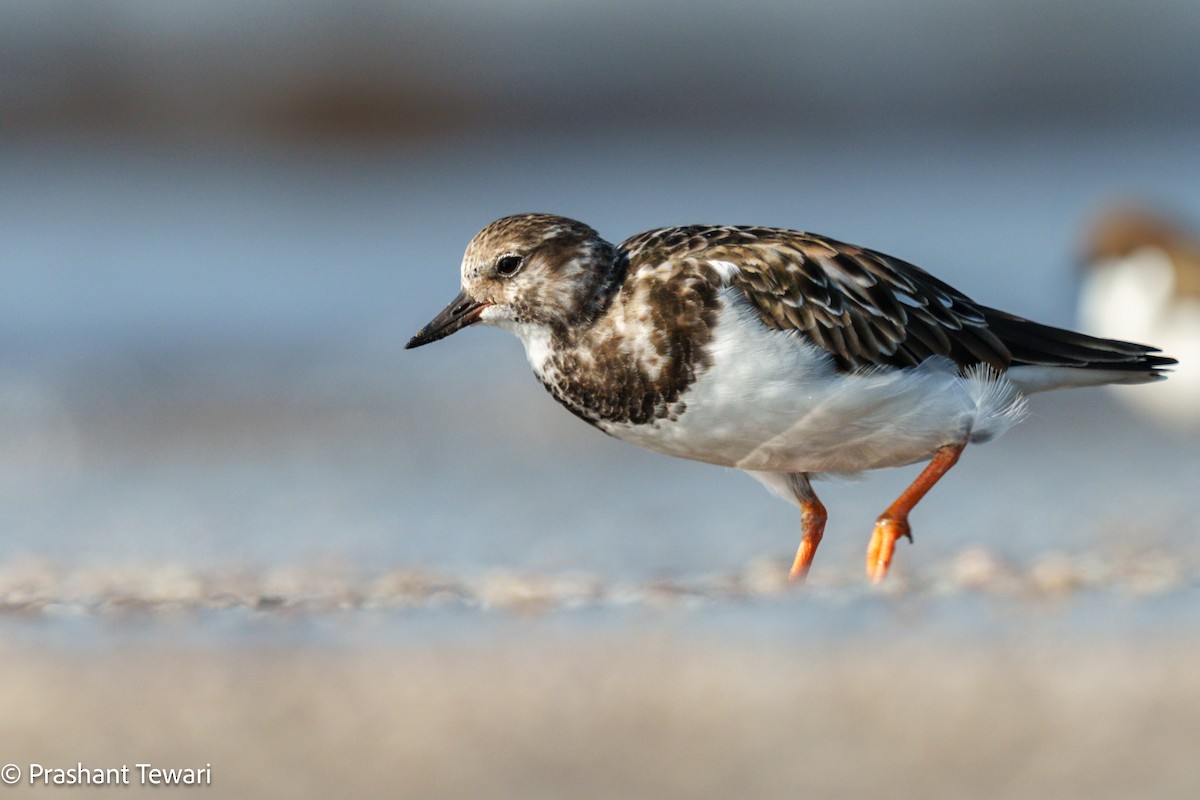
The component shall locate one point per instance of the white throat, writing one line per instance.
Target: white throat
(535, 337)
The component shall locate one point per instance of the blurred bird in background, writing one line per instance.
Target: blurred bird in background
(1141, 282)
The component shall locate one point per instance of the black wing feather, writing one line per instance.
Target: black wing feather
(863, 307)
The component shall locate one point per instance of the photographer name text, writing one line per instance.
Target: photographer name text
(125, 775)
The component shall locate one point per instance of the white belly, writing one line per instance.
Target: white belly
(771, 401)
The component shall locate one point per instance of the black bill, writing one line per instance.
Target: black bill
(461, 312)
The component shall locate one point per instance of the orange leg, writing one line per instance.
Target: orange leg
(812, 528)
(893, 523)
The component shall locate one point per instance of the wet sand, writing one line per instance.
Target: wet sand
(1064, 677)
(640, 711)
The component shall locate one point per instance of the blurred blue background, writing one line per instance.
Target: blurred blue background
(220, 221)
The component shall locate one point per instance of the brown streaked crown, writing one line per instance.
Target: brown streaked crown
(565, 275)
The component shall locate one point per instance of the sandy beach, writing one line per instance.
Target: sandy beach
(1066, 677)
(529, 709)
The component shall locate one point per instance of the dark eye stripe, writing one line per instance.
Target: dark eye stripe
(508, 265)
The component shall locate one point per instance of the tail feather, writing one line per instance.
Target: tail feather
(1033, 344)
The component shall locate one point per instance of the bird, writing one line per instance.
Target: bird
(1141, 280)
(788, 355)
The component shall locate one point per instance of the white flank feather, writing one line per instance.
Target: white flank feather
(999, 404)
(773, 402)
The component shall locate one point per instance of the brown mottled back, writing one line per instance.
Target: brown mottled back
(867, 309)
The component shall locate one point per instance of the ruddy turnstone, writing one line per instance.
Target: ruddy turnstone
(1142, 281)
(785, 354)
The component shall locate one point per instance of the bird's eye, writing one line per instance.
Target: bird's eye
(508, 265)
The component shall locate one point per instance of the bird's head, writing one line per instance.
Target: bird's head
(529, 271)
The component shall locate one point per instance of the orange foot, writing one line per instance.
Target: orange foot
(893, 523)
(883, 543)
